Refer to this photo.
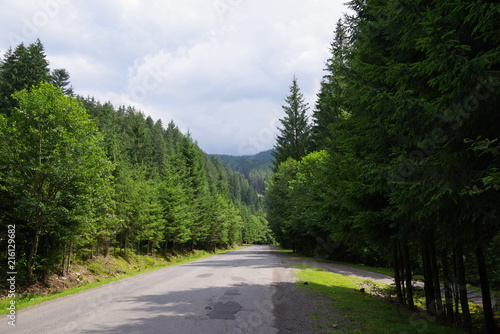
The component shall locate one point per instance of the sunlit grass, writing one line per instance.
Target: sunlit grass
(380, 270)
(363, 312)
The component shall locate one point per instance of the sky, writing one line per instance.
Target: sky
(220, 69)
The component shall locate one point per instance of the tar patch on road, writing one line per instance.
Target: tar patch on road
(204, 275)
(225, 311)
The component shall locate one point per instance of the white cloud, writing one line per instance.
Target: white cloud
(219, 68)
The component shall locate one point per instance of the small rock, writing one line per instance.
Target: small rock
(306, 283)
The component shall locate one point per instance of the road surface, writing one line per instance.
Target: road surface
(228, 293)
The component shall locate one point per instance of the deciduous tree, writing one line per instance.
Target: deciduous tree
(54, 165)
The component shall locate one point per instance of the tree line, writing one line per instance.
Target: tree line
(80, 178)
(256, 168)
(400, 164)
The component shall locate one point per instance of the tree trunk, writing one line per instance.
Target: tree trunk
(31, 256)
(165, 248)
(464, 302)
(68, 258)
(408, 276)
(428, 281)
(438, 302)
(125, 242)
(489, 318)
(106, 247)
(63, 260)
(397, 276)
(448, 293)
(456, 291)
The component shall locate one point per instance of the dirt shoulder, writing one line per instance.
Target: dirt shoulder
(298, 310)
(474, 296)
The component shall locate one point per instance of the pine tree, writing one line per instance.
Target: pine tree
(22, 68)
(294, 139)
(329, 106)
(60, 79)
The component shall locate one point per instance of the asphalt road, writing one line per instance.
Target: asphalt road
(227, 293)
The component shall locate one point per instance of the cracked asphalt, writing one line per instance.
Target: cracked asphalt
(250, 290)
(226, 293)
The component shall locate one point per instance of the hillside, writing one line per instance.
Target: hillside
(256, 168)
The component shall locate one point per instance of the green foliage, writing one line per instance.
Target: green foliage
(330, 105)
(20, 69)
(60, 79)
(294, 138)
(79, 178)
(55, 171)
(257, 168)
(407, 113)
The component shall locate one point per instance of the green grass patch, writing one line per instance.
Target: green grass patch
(380, 270)
(363, 311)
(103, 270)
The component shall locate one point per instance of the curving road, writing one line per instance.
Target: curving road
(234, 292)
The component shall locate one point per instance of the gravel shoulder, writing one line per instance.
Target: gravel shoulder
(295, 308)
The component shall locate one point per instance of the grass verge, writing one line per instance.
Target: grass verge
(362, 311)
(102, 275)
(384, 271)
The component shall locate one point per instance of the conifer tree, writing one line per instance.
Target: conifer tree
(21, 69)
(60, 79)
(294, 138)
(329, 106)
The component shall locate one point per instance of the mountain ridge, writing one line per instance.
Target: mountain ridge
(256, 168)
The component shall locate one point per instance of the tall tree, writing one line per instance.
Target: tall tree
(330, 103)
(295, 135)
(279, 204)
(60, 79)
(54, 165)
(21, 69)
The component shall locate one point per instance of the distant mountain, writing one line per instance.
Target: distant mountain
(256, 168)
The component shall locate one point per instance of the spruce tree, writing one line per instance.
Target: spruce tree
(22, 68)
(295, 135)
(329, 106)
(60, 79)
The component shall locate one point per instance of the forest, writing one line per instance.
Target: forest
(399, 165)
(79, 178)
(256, 168)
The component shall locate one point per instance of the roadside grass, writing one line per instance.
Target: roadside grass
(102, 270)
(364, 312)
(380, 270)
